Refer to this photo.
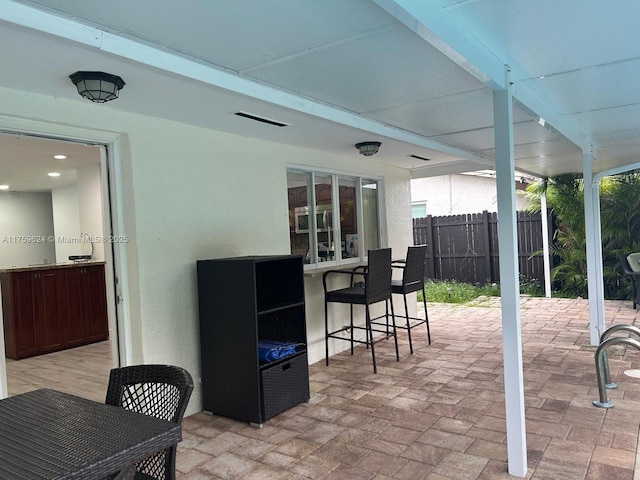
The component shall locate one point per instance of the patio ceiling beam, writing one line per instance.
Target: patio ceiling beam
(156, 57)
(438, 26)
(616, 171)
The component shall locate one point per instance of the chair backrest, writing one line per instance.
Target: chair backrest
(413, 272)
(378, 278)
(160, 391)
(634, 261)
(626, 268)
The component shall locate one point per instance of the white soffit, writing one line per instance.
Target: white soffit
(436, 24)
(194, 69)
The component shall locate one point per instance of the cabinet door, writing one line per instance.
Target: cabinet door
(95, 303)
(50, 288)
(24, 314)
(76, 332)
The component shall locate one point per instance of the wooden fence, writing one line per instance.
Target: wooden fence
(465, 247)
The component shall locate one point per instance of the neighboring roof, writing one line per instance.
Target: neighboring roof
(416, 75)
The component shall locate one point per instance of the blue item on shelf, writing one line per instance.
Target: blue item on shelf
(270, 351)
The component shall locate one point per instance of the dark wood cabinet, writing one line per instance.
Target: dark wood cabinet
(76, 329)
(246, 303)
(48, 287)
(47, 310)
(19, 314)
(89, 302)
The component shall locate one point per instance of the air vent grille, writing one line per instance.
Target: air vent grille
(261, 119)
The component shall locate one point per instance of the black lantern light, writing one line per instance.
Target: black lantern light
(99, 87)
(368, 148)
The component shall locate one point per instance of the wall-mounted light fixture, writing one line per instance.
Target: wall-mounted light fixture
(368, 148)
(99, 87)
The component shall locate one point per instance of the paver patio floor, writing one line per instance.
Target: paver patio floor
(439, 414)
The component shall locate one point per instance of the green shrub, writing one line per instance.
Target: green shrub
(451, 291)
(531, 286)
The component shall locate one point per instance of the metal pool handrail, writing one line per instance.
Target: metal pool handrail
(602, 359)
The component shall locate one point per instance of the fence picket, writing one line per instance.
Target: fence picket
(465, 247)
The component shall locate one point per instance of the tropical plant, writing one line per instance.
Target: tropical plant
(620, 208)
(620, 222)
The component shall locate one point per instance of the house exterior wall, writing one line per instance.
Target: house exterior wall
(189, 193)
(459, 194)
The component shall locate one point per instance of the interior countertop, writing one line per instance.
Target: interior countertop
(49, 266)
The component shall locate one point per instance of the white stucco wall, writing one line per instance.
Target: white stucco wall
(459, 194)
(90, 211)
(189, 193)
(66, 221)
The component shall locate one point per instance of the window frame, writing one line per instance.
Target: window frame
(419, 203)
(336, 175)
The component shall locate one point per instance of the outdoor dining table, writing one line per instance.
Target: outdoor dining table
(47, 435)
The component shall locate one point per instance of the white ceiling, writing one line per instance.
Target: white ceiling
(416, 75)
(25, 162)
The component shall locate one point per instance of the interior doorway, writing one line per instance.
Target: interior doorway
(84, 178)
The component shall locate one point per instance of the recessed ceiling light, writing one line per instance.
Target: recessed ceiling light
(4, 187)
(53, 174)
(59, 157)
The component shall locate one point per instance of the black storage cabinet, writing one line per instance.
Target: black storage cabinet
(242, 301)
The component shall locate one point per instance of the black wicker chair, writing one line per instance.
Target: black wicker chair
(375, 288)
(635, 277)
(413, 270)
(161, 391)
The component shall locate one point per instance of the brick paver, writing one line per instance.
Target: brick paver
(439, 413)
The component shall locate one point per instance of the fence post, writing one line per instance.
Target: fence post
(487, 242)
(428, 230)
(431, 250)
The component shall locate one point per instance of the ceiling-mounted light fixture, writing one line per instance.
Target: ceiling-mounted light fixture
(99, 87)
(368, 148)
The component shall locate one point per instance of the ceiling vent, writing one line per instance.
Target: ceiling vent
(420, 158)
(261, 119)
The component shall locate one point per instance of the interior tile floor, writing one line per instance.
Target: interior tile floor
(437, 414)
(82, 371)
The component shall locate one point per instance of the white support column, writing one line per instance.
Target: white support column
(509, 280)
(594, 249)
(545, 245)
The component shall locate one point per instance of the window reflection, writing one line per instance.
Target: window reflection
(332, 218)
(298, 194)
(324, 218)
(349, 241)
